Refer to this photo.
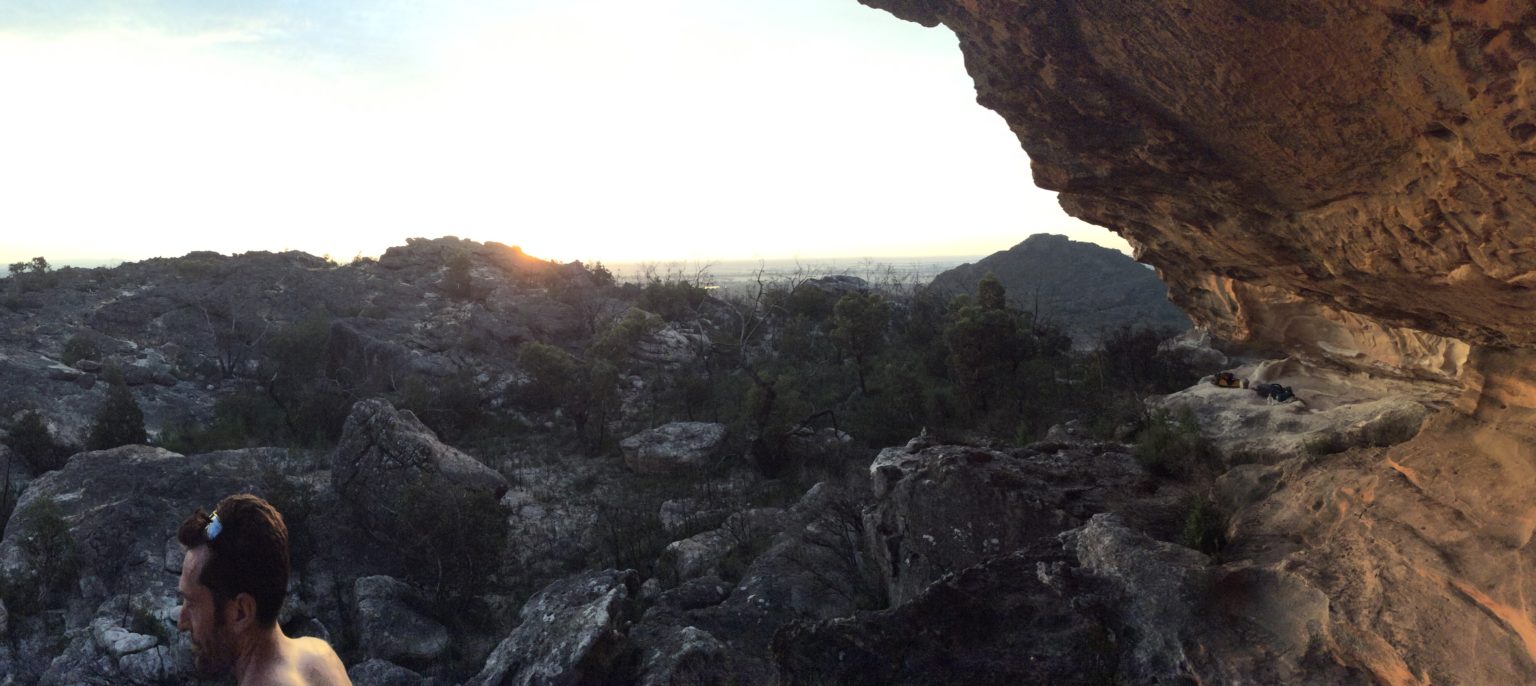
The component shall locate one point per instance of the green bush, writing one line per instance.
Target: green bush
(614, 342)
(119, 421)
(1171, 445)
(1205, 528)
(314, 407)
(243, 419)
(451, 540)
(672, 299)
(144, 622)
(79, 348)
(1131, 359)
(31, 439)
(454, 407)
(554, 376)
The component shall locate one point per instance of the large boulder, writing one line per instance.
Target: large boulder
(389, 627)
(940, 509)
(384, 451)
(674, 448)
(572, 632)
(1333, 411)
(999, 622)
(806, 562)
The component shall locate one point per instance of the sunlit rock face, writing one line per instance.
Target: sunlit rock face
(1351, 181)
(1373, 157)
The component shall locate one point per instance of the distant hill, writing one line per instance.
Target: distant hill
(1083, 288)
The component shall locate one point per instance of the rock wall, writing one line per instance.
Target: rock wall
(1373, 156)
(1348, 182)
(1421, 548)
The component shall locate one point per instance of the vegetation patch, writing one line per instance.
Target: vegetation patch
(1171, 444)
(1205, 527)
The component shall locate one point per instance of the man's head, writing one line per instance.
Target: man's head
(234, 576)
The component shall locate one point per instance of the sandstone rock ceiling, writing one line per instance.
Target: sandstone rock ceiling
(1373, 156)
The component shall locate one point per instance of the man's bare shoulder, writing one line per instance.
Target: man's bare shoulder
(318, 663)
(305, 662)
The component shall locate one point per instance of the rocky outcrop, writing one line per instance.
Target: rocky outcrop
(813, 566)
(703, 553)
(1410, 554)
(114, 618)
(1348, 153)
(571, 632)
(1000, 622)
(1088, 290)
(674, 448)
(384, 451)
(940, 509)
(1333, 411)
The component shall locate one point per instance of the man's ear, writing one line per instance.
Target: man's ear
(240, 612)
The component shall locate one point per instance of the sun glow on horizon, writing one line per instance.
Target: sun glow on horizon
(694, 131)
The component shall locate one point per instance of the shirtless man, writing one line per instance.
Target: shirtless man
(233, 580)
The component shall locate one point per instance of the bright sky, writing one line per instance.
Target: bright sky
(578, 129)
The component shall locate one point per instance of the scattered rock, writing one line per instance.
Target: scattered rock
(684, 513)
(674, 448)
(571, 632)
(702, 554)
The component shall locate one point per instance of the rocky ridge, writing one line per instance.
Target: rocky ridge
(1086, 289)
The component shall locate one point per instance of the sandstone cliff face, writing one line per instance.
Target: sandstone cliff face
(1374, 157)
(1348, 183)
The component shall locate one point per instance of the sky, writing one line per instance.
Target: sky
(577, 129)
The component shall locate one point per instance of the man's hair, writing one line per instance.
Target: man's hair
(249, 554)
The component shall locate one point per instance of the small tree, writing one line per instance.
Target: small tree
(858, 326)
(30, 439)
(986, 346)
(50, 546)
(120, 421)
(990, 293)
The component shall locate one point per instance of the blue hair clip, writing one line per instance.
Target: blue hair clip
(214, 527)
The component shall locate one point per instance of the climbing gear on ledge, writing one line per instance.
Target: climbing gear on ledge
(1229, 380)
(1275, 392)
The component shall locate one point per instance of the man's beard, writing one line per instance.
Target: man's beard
(215, 655)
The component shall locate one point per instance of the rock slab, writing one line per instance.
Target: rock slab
(673, 448)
